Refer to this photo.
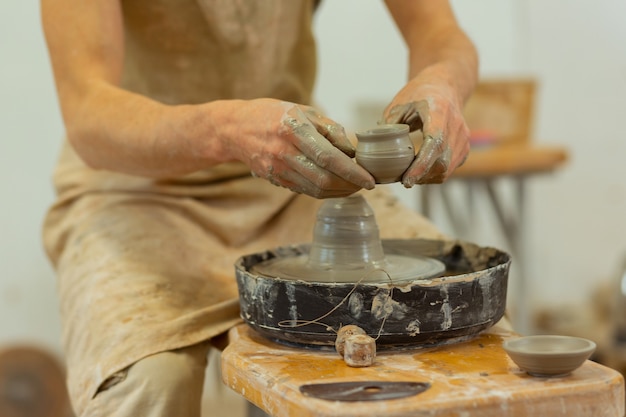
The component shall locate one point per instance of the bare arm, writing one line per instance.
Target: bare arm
(436, 42)
(112, 128)
(443, 70)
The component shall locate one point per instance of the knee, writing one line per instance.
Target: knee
(172, 370)
(163, 384)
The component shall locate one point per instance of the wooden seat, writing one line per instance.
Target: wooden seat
(473, 379)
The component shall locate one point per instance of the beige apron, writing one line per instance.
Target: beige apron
(146, 266)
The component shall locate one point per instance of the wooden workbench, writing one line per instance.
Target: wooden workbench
(470, 379)
(512, 160)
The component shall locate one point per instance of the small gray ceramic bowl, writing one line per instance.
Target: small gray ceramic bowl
(549, 355)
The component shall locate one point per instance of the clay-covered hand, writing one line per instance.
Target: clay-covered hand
(436, 110)
(296, 147)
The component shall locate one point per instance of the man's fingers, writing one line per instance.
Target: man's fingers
(431, 151)
(333, 132)
(310, 179)
(413, 114)
(324, 154)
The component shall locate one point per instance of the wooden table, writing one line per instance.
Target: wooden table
(513, 159)
(470, 379)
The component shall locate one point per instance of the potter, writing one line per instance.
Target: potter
(192, 139)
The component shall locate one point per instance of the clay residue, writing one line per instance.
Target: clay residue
(355, 304)
(293, 306)
(383, 306)
(413, 328)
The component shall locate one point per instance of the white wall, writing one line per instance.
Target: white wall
(578, 50)
(31, 130)
(577, 225)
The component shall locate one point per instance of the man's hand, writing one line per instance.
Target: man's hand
(443, 70)
(296, 147)
(436, 111)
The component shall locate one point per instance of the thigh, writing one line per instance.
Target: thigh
(138, 275)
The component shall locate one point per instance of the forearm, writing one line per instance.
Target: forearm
(113, 129)
(445, 54)
(443, 70)
(439, 50)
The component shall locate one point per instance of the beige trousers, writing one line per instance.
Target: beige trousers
(166, 384)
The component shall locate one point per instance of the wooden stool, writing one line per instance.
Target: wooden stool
(472, 379)
(32, 383)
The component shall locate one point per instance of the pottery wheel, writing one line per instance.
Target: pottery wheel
(469, 298)
(394, 269)
(402, 292)
(347, 248)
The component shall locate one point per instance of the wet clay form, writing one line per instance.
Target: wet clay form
(385, 151)
(549, 355)
(401, 292)
(347, 248)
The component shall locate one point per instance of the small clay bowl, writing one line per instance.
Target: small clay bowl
(549, 355)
